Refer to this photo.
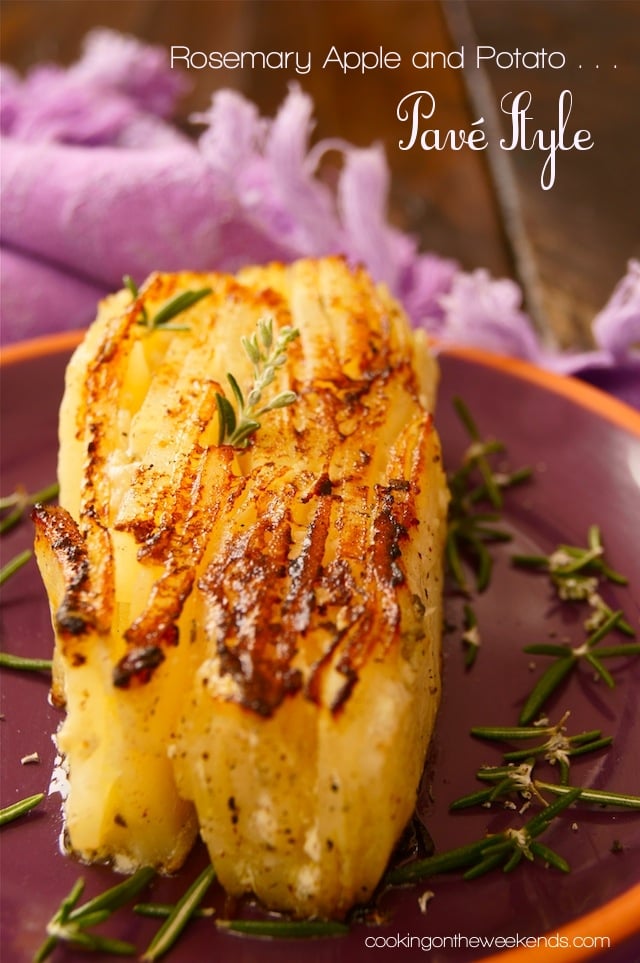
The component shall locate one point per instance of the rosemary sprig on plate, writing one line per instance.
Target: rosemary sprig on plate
(267, 356)
(515, 776)
(169, 310)
(478, 461)
(568, 561)
(473, 525)
(471, 529)
(601, 797)
(556, 747)
(71, 923)
(576, 573)
(507, 848)
(517, 780)
(163, 910)
(567, 658)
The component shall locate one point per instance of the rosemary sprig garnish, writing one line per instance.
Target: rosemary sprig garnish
(470, 528)
(556, 746)
(507, 781)
(180, 915)
(17, 809)
(575, 573)
(467, 537)
(517, 780)
(266, 356)
(19, 501)
(169, 310)
(23, 663)
(515, 777)
(477, 459)
(14, 564)
(569, 560)
(507, 848)
(284, 929)
(567, 658)
(70, 923)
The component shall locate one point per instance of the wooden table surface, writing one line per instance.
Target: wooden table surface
(568, 244)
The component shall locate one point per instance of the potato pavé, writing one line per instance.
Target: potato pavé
(247, 639)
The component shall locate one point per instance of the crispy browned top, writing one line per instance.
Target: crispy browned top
(289, 557)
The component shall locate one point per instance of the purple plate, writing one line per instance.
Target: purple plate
(585, 449)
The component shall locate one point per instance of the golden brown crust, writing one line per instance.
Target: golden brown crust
(58, 533)
(259, 624)
(347, 372)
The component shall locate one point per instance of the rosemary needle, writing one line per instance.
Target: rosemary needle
(516, 780)
(470, 530)
(15, 563)
(176, 306)
(470, 637)
(117, 895)
(601, 797)
(169, 310)
(17, 809)
(23, 663)
(162, 910)
(446, 862)
(182, 912)
(284, 929)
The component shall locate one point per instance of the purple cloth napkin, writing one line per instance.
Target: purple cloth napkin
(97, 183)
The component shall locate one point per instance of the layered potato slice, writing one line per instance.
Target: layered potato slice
(248, 639)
